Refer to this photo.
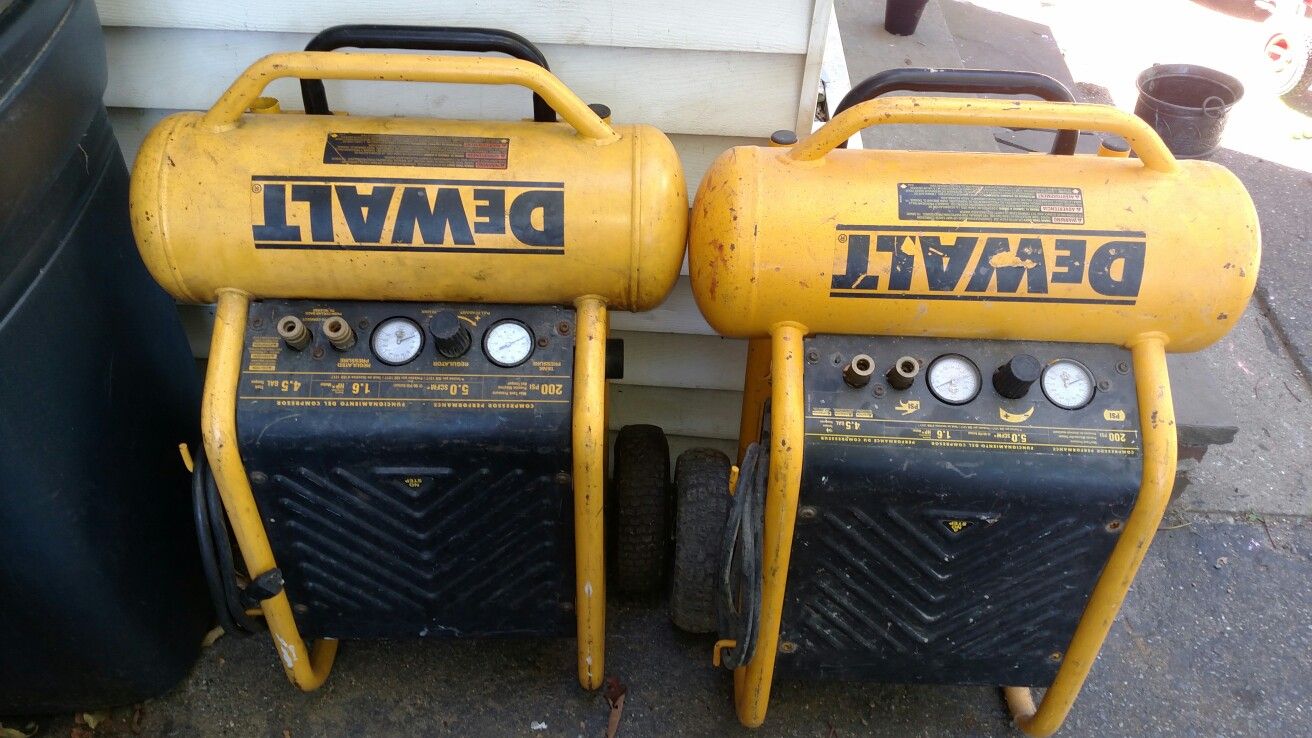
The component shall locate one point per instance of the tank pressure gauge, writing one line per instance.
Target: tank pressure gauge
(508, 343)
(954, 379)
(1068, 384)
(397, 341)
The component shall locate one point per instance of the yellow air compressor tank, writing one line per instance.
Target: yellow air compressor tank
(967, 245)
(298, 206)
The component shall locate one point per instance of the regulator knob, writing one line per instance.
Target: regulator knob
(450, 336)
(1013, 379)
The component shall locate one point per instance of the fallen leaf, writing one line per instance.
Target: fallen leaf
(615, 691)
(537, 725)
(94, 719)
(215, 634)
(138, 717)
(616, 712)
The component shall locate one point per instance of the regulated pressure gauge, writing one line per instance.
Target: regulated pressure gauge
(397, 341)
(508, 343)
(1068, 384)
(954, 379)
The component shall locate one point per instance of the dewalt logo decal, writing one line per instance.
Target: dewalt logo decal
(401, 214)
(1044, 265)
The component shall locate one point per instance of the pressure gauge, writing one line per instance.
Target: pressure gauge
(508, 343)
(397, 341)
(1068, 384)
(954, 379)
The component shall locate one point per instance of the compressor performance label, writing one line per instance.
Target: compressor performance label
(389, 390)
(873, 431)
(977, 203)
(403, 150)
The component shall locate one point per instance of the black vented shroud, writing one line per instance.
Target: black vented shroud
(952, 544)
(436, 502)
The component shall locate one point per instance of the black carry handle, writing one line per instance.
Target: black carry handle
(994, 81)
(422, 38)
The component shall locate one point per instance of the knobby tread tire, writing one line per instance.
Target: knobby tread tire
(701, 482)
(641, 510)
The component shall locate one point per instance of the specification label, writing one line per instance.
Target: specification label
(398, 150)
(404, 390)
(855, 429)
(990, 203)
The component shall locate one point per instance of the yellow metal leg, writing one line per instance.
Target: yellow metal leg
(589, 487)
(752, 682)
(756, 389)
(306, 669)
(1157, 418)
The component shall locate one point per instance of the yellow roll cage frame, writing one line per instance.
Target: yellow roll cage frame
(308, 666)
(774, 371)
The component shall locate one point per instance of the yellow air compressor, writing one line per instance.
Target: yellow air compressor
(404, 414)
(957, 433)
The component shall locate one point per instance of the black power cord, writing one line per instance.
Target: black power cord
(216, 553)
(738, 604)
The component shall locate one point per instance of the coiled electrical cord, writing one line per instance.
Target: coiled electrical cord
(738, 604)
(216, 552)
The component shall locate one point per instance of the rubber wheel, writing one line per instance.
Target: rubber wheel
(641, 509)
(1301, 90)
(1288, 49)
(701, 482)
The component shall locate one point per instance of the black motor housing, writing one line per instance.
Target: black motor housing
(430, 498)
(953, 544)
